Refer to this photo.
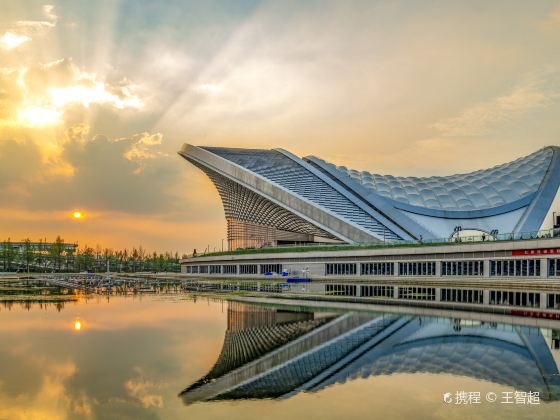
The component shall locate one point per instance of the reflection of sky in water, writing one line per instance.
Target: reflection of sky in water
(132, 357)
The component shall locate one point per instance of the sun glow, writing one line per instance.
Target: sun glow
(77, 325)
(77, 215)
(38, 116)
(93, 93)
(12, 40)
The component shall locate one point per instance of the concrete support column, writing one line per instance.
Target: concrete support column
(358, 290)
(486, 297)
(543, 301)
(438, 268)
(544, 267)
(486, 268)
(395, 268)
(438, 294)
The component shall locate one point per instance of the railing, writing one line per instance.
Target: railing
(454, 239)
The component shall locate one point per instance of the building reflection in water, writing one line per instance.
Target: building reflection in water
(274, 353)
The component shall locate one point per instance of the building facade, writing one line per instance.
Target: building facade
(523, 259)
(272, 197)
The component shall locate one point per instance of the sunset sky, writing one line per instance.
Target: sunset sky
(97, 97)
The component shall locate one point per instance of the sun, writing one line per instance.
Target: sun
(77, 215)
(78, 325)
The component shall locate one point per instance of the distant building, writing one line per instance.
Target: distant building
(19, 247)
(272, 197)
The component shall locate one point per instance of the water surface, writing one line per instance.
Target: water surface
(179, 356)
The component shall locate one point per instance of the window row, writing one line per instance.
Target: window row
(462, 268)
(497, 268)
(461, 295)
(417, 268)
(248, 286)
(378, 269)
(553, 301)
(271, 288)
(417, 293)
(340, 269)
(378, 291)
(211, 269)
(340, 289)
(507, 298)
(271, 268)
(248, 269)
(554, 267)
(229, 269)
(515, 268)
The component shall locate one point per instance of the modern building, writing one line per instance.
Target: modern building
(19, 247)
(277, 353)
(272, 197)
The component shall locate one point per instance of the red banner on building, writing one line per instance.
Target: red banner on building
(535, 314)
(542, 251)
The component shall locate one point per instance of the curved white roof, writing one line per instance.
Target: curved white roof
(483, 189)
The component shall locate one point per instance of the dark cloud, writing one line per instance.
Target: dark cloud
(125, 174)
(20, 164)
(105, 179)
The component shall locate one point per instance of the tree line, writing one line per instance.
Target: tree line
(58, 256)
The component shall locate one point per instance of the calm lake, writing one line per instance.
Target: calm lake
(183, 356)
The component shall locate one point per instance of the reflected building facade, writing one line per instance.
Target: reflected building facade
(272, 353)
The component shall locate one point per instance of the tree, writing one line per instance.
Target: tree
(87, 258)
(134, 259)
(154, 261)
(8, 254)
(40, 252)
(141, 257)
(108, 254)
(56, 251)
(27, 253)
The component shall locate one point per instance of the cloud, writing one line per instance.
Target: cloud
(11, 40)
(22, 31)
(20, 164)
(94, 172)
(10, 92)
(482, 118)
(48, 11)
(142, 390)
(38, 96)
(142, 146)
(552, 21)
(49, 395)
